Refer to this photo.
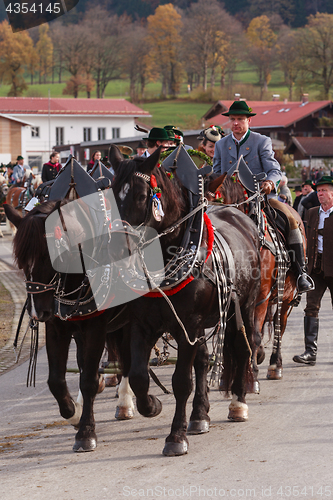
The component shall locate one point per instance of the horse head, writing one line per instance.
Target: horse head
(148, 199)
(31, 246)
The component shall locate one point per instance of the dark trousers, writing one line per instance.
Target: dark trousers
(313, 298)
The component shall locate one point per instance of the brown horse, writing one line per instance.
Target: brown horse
(230, 191)
(18, 196)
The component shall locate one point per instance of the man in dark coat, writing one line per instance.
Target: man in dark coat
(51, 168)
(320, 265)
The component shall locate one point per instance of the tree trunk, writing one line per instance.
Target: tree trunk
(205, 76)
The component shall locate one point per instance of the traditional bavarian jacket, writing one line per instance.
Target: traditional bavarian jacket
(257, 153)
(50, 171)
(312, 234)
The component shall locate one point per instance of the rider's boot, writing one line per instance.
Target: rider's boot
(309, 356)
(296, 252)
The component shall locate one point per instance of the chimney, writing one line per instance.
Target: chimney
(276, 97)
(305, 98)
(237, 97)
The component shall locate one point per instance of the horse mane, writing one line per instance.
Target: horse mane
(232, 191)
(125, 172)
(29, 243)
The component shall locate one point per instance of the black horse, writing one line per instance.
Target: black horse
(195, 306)
(32, 256)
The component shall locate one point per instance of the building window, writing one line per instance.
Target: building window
(35, 163)
(101, 134)
(59, 136)
(87, 134)
(34, 131)
(115, 133)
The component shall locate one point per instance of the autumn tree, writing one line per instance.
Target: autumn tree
(105, 34)
(287, 49)
(164, 40)
(208, 39)
(137, 65)
(15, 49)
(73, 49)
(44, 49)
(261, 44)
(316, 51)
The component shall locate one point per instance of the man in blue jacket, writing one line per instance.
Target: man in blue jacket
(258, 154)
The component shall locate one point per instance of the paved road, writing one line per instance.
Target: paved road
(283, 451)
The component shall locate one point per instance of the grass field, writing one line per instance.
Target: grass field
(184, 112)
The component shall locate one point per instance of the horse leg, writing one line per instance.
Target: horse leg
(236, 355)
(90, 348)
(258, 353)
(176, 443)
(199, 420)
(125, 407)
(275, 368)
(57, 346)
(147, 404)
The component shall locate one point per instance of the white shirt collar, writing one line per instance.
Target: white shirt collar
(240, 140)
(327, 212)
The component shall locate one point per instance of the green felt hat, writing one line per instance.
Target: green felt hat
(308, 182)
(158, 134)
(239, 108)
(326, 179)
(19, 158)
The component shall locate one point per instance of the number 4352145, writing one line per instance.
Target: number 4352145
(25, 8)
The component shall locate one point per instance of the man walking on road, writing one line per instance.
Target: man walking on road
(320, 265)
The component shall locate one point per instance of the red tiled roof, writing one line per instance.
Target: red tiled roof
(317, 147)
(273, 114)
(40, 105)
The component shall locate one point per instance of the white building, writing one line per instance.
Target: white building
(46, 123)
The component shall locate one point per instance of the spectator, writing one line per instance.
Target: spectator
(320, 263)
(284, 190)
(304, 174)
(141, 148)
(298, 196)
(210, 137)
(97, 155)
(51, 168)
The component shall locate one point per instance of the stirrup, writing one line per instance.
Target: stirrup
(311, 283)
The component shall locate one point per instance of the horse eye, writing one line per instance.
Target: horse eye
(142, 198)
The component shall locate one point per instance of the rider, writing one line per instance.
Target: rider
(19, 171)
(259, 156)
(157, 137)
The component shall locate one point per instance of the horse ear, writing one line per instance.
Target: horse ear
(150, 163)
(12, 215)
(115, 157)
(216, 183)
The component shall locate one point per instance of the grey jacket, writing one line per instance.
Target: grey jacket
(257, 152)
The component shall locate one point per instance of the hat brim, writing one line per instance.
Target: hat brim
(239, 112)
(322, 184)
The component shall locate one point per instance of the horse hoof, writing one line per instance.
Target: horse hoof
(101, 384)
(198, 427)
(82, 445)
(274, 373)
(238, 412)
(110, 380)
(154, 410)
(175, 449)
(124, 413)
(254, 388)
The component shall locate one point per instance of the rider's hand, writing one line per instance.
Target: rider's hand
(267, 186)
